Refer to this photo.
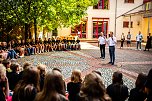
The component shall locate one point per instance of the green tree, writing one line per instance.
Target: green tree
(44, 13)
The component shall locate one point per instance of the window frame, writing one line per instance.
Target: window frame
(148, 6)
(127, 24)
(96, 33)
(129, 1)
(98, 6)
(82, 28)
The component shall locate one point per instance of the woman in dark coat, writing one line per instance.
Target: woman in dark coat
(13, 77)
(117, 90)
(74, 86)
(138, 93)
(148, 86)
(148, 44)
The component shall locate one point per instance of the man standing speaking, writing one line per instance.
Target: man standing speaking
(112, 42)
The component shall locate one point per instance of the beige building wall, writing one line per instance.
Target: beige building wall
(137, 26)
(64, 31)
(99, 13)
(145, 28)
(121, 9)
(96, 13)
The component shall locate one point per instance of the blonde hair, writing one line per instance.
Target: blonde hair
(76, 76)
(94, 88)
(2, 70)
(26, 65)
(42, 68)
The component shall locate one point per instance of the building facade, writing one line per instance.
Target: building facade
(119, 16)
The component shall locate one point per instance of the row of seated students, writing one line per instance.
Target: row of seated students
(35, 84)
(39, 46)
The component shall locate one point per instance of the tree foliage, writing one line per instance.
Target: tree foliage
(47, 13)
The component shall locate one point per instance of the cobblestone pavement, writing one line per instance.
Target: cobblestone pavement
(129, 61)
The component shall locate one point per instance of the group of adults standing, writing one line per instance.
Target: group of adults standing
(111, 41)
(139, 38)
(123, 40)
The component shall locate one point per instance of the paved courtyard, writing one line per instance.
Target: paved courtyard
(128, 60)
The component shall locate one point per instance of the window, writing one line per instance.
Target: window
(98, 27)
(148, 6)
(129, 1)
(145, 1)
(102, 4)
(81, 28)
(126, 24)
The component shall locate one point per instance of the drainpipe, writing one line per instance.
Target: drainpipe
(148, 30)
(115, 18)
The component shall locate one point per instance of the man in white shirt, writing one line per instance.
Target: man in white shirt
(102, 42)
(112, 42)
(139, 38)
(78, 33)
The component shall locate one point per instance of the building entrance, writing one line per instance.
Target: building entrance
(98, 27)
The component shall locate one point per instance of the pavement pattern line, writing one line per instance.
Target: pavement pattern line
(142, 62)
(95, 64)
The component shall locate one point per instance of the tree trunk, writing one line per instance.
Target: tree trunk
(35, 28)
(26, 31)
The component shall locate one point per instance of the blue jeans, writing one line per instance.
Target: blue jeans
(28, 51)
(138, 44)
(32, 50)
(112, 54)
(12, 54)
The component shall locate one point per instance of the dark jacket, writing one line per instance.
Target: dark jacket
(117, 92)
(73, 89)
(13, 79)
(137, 95)
(2, 96)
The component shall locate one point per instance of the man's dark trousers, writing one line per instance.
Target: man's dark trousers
(112, 54)
(102, 50)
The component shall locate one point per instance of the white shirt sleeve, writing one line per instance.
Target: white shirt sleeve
(114, 38)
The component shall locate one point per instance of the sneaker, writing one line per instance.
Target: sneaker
(21, 56)
(13, 59)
